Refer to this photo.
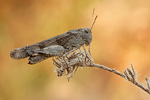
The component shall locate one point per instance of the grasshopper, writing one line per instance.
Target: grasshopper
(58, 46)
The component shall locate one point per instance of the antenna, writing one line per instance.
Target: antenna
(93, 21)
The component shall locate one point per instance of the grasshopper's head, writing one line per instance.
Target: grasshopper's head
(87, 37)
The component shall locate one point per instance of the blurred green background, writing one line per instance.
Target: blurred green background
(121, 35)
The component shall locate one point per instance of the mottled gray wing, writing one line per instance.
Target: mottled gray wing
(21, 53)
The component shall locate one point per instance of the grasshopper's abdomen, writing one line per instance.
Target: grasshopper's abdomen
(19, 53)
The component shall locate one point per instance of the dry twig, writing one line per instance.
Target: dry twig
(79, 59)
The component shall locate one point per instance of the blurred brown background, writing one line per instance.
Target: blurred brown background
(121, 35)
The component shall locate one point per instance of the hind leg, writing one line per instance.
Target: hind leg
(42, 54)
(54, 50)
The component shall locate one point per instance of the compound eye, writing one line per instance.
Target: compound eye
(86, 30)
